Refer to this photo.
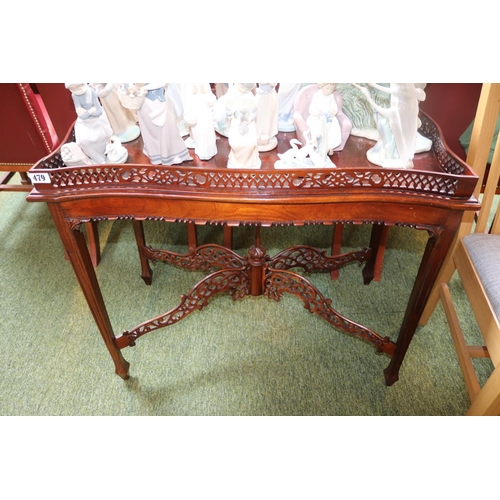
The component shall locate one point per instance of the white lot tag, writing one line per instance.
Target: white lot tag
(40, 178)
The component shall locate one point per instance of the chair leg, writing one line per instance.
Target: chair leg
(487, 401)
(457, 335)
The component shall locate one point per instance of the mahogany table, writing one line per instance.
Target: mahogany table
(432, 196)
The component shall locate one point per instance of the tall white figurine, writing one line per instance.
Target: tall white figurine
(286, 96)
(241, 109)
(397, 124)
(267, 116)
(322, 120)
(92, 128)
(163, 143)
(220, 108)
(176, 92)
(122, 120)
(199, 117)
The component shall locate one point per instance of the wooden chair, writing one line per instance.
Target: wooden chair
(477, 157)
(476, 257)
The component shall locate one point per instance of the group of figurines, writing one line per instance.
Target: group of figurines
(177, 120)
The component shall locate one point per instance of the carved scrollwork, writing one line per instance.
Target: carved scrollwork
(428, 183)
(311, 259)
(233, 281)
(205, 258)
(279, 282)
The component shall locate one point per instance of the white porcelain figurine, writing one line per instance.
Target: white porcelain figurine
(241, 109)
(92, 128)
(199, 117)
(398, 125)
(322, 120)
(267, 116)
(286, 97)
(163, 143)
(122, 120)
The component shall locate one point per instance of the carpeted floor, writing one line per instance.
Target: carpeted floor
(249, 357)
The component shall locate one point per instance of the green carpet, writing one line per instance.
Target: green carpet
(249, 357)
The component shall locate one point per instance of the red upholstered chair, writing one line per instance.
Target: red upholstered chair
(59, 105)
(27, 133)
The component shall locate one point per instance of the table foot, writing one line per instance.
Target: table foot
(122, 371)
(390, 377)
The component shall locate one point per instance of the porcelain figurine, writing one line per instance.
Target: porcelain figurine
(286, 97)
(322, 120)
(221, 118)
(360, 111)
(305, 156)
(115, 152)
(198, 116)
(397, 125)
(176, 92)
(221, 89)
(92, 128)
(163, 144)
(241, 109)
(122, 120)
(266, 121)
(73, 156)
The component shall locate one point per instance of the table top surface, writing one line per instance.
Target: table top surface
(437, 174)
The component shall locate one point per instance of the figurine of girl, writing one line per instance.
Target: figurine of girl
(267, 116)
(92, 128)
(322, 120)
(198, 116)
(286, 97)
(163, 144)
(122, 120)
(241, 109)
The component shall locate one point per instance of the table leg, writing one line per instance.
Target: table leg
(77, 250)
(338, 230)
(93, 241)
(378, 240)
(146, 271)
(435, 251)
